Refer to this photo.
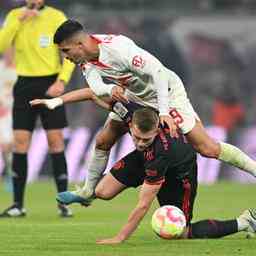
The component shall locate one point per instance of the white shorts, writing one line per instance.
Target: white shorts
(180, 107)
(6, 133)
(185, 117)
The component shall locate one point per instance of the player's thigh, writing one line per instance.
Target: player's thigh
(53, 119)
(111, 132)
(55, 140)
(180, 192)
(202, 142)
(24, 117)
(127, 172)
(108, 187)
(130, 170)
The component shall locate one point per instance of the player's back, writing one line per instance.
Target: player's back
(177, 150)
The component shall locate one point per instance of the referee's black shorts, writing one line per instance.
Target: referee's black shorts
(178, 189)
(25, 116)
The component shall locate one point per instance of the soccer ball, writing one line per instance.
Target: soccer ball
(168, 222)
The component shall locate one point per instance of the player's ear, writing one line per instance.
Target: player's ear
(80, 44)
(130, 124)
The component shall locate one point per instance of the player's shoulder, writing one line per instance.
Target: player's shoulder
(55, 11)
(113, 41)
(16, 11)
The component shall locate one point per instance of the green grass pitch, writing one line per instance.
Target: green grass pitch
(43, 233)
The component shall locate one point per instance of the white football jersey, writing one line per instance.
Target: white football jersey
(122, 62)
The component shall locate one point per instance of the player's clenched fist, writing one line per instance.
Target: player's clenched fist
(117, 93)
(169, 121)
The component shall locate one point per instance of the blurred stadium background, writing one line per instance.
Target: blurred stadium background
(210, 44)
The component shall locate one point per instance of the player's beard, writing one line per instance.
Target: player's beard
(35, 6)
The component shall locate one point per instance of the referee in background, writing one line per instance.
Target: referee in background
(41, 73)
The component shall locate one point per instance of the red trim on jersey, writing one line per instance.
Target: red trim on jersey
(98, 41)
(186, 198)
(82, 66)
(158, 182)
(124, 80)
(164, 140)
(98, 63)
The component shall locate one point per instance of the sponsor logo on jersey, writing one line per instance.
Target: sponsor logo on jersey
(138, 62)
(149, 155)
(119, 165)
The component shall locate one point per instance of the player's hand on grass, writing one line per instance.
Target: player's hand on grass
(113, 240)
(49, 103)
(56, 89)
(117, 93)
(168, 120)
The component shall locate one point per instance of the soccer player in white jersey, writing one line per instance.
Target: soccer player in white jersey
(115, 66)
(8, 77)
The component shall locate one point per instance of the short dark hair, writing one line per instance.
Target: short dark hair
(146, 119)
(66, 30)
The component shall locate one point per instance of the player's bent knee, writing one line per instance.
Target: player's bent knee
(56, 147)
(210, 150)
(21, 145)
(103, 194)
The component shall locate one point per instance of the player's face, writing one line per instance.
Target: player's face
(142, 140)
(35, 4)
(73, 51)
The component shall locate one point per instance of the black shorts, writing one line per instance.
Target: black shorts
(178, 190)
(25, 116)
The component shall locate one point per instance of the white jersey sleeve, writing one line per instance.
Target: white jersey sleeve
(143, 63)
(96, 83)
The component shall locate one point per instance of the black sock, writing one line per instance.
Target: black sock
(60, 171)
(19, 168)
(212, 228)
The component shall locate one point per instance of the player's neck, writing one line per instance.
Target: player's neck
(93, 48)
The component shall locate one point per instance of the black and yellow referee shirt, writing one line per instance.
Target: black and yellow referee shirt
(35, 52)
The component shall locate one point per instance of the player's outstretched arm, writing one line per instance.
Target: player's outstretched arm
(146, 197)
(70, 97)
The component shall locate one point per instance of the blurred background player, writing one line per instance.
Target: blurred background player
(41, 73)
(8, 77)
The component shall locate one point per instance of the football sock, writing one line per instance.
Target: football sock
(96, 168)
(234, 156)
(212, 228)
(19, 177)
(60, 171)
(242, 224)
